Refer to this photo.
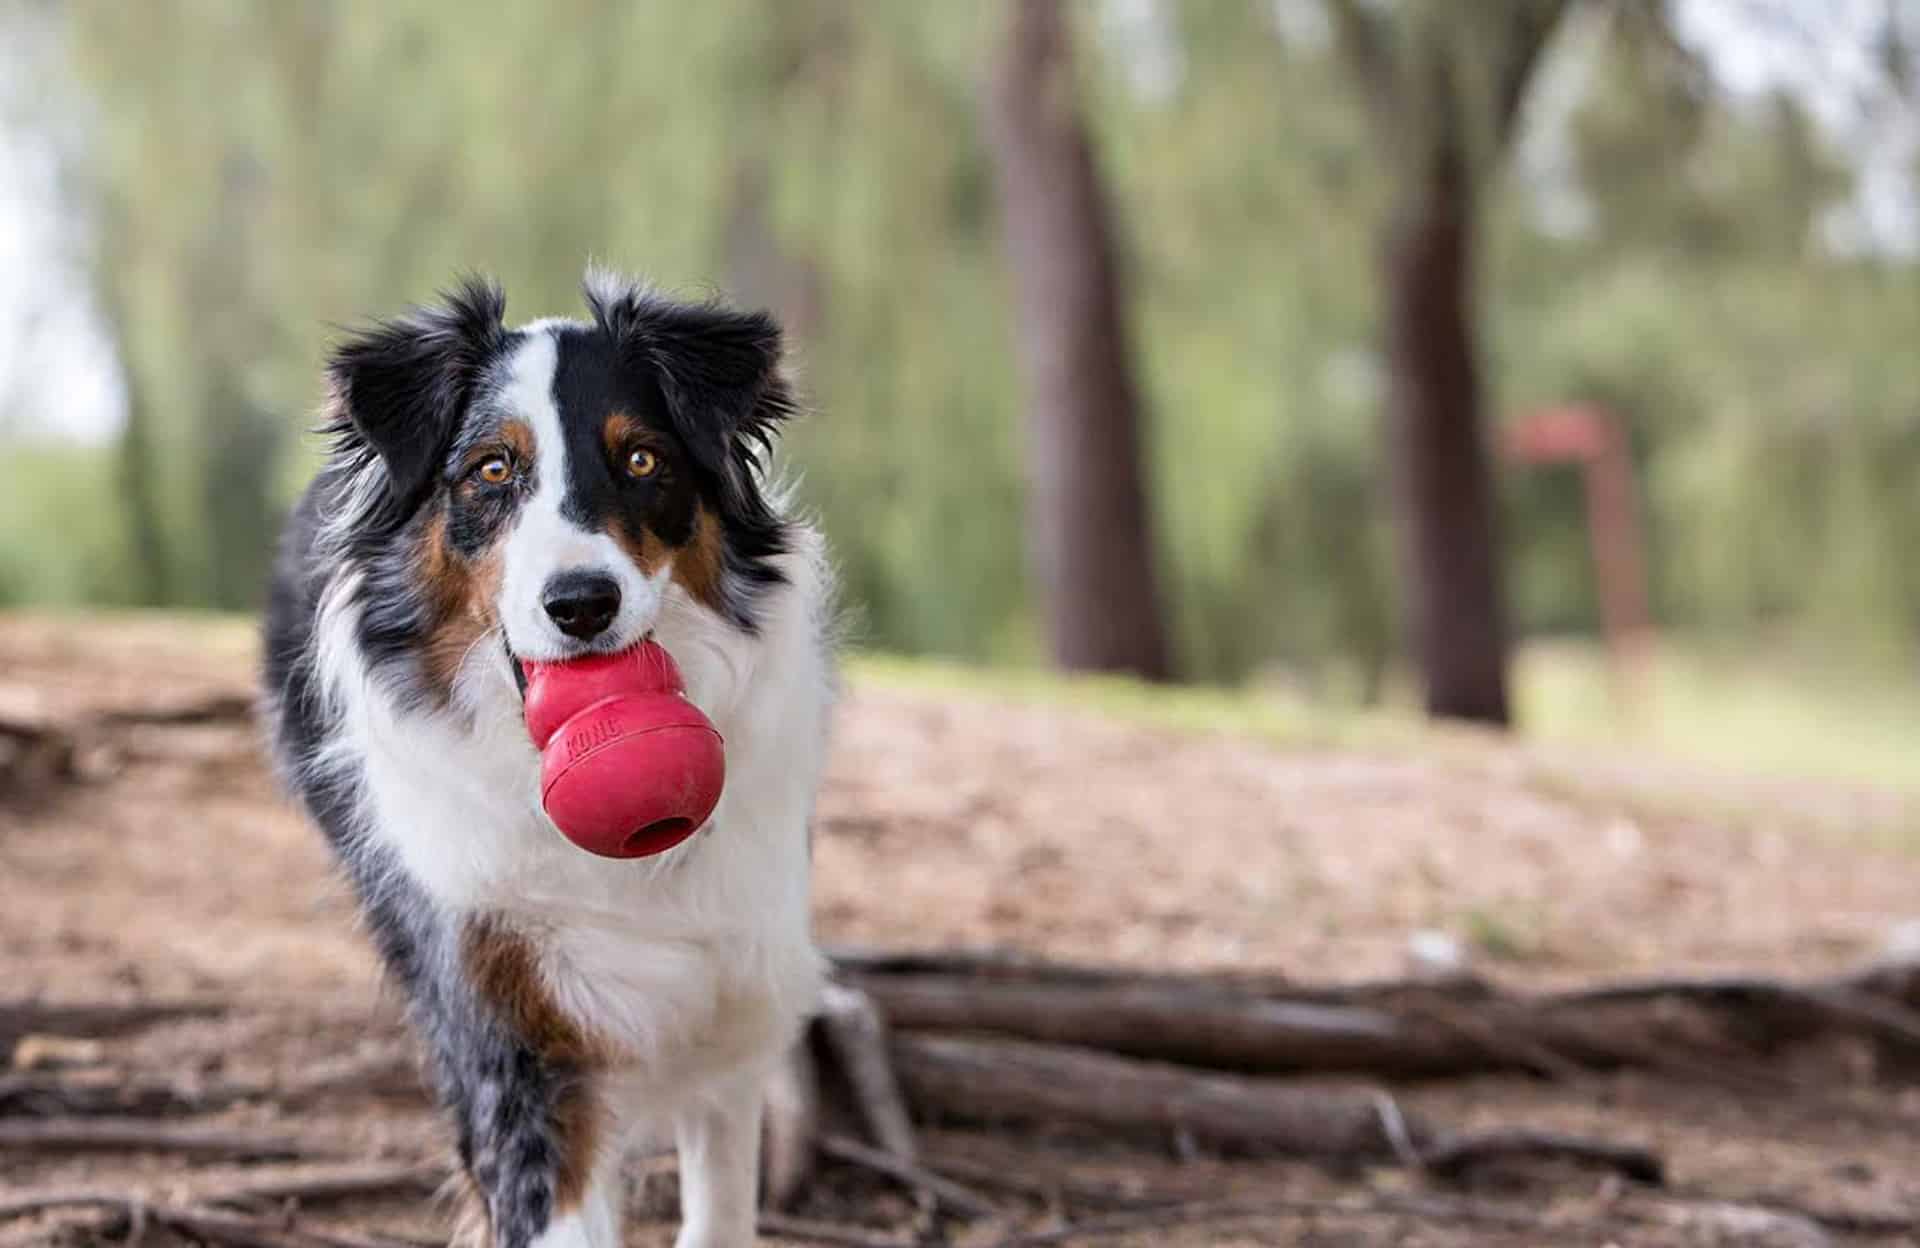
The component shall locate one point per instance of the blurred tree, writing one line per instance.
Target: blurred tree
(183, 235)
(829, 159)
(1444, 86)
(1712, 289)
(150, 578)
(1089, 529)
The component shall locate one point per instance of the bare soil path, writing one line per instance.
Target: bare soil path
(173, 869)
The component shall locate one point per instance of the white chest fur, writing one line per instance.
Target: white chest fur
(696, 958)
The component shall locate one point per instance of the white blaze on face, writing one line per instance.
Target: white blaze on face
(543, 543)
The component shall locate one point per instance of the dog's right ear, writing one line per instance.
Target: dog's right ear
(401, 384)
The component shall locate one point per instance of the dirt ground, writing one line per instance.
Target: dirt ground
(174, 869)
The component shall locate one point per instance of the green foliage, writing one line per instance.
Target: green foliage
(1767, 382)
(65, 539)
(266, 170)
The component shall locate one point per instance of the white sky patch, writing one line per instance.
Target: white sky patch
(1543, 158)
(1303, 22)
(1139, 35)
(1826, 55)
(59, 374)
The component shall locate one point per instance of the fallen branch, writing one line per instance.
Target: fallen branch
(1017, 1080)
(1008, 964)
(390, 1073)
(1844, 1003)
(856, 1037)
(218, 708)
(121, 1211)
(43, 753)
(1179, 1024)
(95, 1226)
(1049, 1189)
(1527, 1052)
(240, 1230)
(19, 1204)
(328, 1184)
(189, 1212)
(1861, 1223)
(99, 1091)
(792, 1113)
(780, 1226)
(95, 1018)
(32, 754)
(1408, 1030)
(1203, 1213)
(1453, 1156)
(148, 1135)
(955, 1196)
(1724, 1221)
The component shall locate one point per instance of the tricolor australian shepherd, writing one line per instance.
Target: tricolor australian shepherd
(560, 489)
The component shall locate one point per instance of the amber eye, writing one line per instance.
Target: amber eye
(642, 463)
(495, 470)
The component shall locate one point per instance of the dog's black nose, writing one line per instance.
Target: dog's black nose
(582, 604)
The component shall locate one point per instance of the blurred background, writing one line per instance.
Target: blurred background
(1544, 361)
(1215, 405)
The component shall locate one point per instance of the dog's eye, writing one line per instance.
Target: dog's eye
(642, 463)
(495, 470)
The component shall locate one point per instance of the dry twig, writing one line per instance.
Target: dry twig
(147, 1135)
(956, 1196)
(1199, 1213)
(1453, 1156)
(386, 1072)
(95, 1018)
(856, 1035)
(780, 1226)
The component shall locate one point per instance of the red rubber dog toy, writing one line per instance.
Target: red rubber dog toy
(628, 766)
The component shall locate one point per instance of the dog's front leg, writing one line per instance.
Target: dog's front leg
(593, 1219)
(719, 1140)
(524, 1083)
(539, 1168)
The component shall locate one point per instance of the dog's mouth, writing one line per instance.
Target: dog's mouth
(519, 668)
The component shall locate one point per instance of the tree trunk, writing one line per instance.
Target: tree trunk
(149, 579)
(1442, 480)
(1090, 536)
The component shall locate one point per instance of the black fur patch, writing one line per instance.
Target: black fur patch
(402, 390)
(402, 386)
(717, 374)
(591, 383)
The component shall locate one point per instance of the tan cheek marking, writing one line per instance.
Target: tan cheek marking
(461, 594)
(644, 550)
(505, 967)
(700, 566)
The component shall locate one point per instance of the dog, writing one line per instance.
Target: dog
(494, 495)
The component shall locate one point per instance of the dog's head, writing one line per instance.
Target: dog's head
(559, 484)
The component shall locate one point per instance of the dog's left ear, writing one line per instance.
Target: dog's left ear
(402, 384)
(718, 368)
